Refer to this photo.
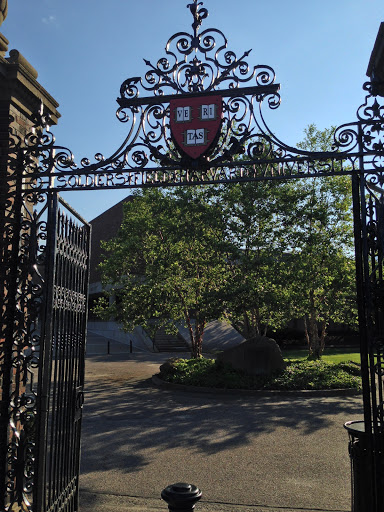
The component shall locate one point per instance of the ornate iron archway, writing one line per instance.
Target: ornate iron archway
(201, 123)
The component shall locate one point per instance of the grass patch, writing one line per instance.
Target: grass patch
(299, 375)
(331, 355)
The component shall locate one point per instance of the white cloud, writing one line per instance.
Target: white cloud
(49, 19)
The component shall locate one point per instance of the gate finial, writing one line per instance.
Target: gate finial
(199, 14)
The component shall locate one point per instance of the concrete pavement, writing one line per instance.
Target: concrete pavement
(245, 453)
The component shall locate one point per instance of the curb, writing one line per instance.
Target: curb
(160, 383)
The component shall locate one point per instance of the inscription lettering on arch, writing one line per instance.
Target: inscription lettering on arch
(196, 123)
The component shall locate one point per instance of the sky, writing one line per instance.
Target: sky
(84, 49)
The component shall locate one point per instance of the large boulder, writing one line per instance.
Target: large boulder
(257, 356)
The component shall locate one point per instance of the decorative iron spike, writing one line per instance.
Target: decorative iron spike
(198, 16)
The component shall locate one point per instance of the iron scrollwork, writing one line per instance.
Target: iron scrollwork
(211, 67)
(194, 64)
(23, 256)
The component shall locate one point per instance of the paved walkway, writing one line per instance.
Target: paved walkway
(245, 453)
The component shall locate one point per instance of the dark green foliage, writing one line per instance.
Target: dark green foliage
(167, 265)
(299, 375)
(258, 291)
(256, 254)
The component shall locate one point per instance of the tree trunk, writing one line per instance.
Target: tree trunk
(323, 335)
(247, 326)
(199, 342)
(196, 337)
(315, 342)
(251, 324)
(197, 347)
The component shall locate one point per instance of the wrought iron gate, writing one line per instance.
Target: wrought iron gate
(62, 358)
(45, 253)
(43, 372)
(366, 447)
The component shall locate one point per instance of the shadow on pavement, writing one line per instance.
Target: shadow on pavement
(125, 421)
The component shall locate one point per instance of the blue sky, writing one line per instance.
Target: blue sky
(84, 49)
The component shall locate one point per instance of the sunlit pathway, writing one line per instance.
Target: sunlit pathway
(255, 453)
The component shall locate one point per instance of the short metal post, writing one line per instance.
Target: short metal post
(130, 346)
(181, 497)
(109, 347)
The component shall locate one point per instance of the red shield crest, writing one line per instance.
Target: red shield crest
(195, 123)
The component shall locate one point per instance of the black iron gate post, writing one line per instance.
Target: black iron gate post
(362, 446)
(202, 123)
(366, 437)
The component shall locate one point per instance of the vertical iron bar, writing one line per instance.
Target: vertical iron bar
(357, 202)
(62, 409)
(81, 372)
(74, 353)
(45, 363)
(71, 365)
(379, 307)
(56, 340)
(67, 395)
(371, 306)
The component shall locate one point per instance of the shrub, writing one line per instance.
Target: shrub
(299, 375)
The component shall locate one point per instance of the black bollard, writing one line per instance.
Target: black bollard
(181, 497)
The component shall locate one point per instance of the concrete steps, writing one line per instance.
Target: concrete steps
(169, 342)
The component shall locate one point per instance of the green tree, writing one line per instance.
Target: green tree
(261, 253)
(166, 264)
(290, 251)
(256, 242)
(322, 264)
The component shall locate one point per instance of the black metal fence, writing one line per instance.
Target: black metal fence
(62, 359)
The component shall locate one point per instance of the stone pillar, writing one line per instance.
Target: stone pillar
(21, 96)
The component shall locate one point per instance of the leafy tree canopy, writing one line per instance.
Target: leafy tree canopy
(260, 253)
(167, 263)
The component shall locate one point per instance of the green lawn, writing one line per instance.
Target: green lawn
(331, 355)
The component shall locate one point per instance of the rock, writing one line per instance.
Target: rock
(168, 367)
(257, 356)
